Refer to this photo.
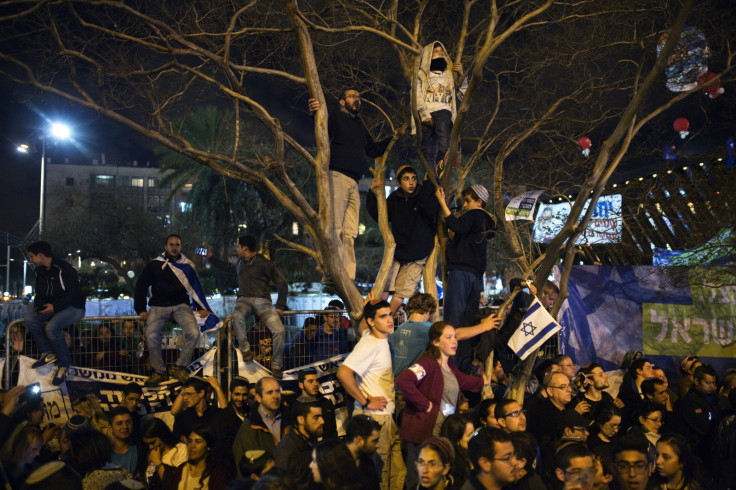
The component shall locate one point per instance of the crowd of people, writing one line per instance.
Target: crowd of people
(421, 409)
(421, 429)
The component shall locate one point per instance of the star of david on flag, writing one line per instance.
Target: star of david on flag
(536, 327)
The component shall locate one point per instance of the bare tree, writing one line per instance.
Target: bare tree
(540, 73)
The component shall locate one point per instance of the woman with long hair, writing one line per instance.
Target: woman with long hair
(677, 466)
(88, 406)
(20, 452)
(458, 429)
(333, 466)
(164, 449)
(433, 463)
(431, 388)
(201, 471)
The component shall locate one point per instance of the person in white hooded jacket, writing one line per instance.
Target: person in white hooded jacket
(436, 99)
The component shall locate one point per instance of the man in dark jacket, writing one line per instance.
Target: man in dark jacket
(350, 142)
(263, 429)
(255, 275)
(59, 303)
(169, 301)
(412, 212)
(294, 451)
(700, 411)
(309, 384)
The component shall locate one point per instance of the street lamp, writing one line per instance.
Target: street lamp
(59, 131)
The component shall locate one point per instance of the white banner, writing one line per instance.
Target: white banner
(522, 206)
(604, 226)
(105, 385)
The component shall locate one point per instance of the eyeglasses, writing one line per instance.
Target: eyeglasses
(185, 394)
(435, 465)
(561, 387)
(515, 413)
(640, 467)
(507, 459)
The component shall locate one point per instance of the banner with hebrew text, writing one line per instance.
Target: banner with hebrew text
(105, 385)
(665, 312)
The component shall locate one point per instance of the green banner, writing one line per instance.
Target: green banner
(704, 328)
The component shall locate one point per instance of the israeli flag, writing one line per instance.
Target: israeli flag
(536, 327)
(183, 269)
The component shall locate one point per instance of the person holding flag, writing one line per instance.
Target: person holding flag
(176, 294)
(535, 328)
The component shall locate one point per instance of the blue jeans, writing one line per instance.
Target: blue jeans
(184, 316)
(246, 306)
(50, 338)
(461, 304)
(436, 138)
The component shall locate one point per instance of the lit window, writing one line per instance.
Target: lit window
(103, 180)
(185, 206)
(151, 182)
(136, 181)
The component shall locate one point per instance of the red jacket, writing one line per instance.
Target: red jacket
(418, 390)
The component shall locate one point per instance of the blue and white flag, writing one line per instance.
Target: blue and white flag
(536, 327)
(183, 269)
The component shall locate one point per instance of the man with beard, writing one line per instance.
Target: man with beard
(294, 452)
(121, 428)
(591, 392)
(361, 437)
(350, 142)
(412, 212)
(230, 418)
(511, 416)
(309, 384)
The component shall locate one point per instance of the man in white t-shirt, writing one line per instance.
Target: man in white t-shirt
(368, 377)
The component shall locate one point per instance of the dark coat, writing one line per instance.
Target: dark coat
(58, 285)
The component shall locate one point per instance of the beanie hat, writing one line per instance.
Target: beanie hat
(403, 169)
(480, 191)
(443, 446)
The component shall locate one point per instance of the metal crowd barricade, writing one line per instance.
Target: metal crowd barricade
(112, 344)
(105, 343)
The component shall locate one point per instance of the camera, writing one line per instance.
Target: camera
(32, 393)
(200, 251)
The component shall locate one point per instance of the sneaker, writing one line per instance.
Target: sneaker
(60, 375)
(156, 379)
(248, 355)
(46, 358)
(277, 373)
(179, 373)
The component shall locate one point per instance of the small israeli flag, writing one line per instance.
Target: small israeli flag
(536, 327)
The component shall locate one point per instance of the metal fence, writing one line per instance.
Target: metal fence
(118, 344)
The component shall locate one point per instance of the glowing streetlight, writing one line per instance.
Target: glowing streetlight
(58, 131)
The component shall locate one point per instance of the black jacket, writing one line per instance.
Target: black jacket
(350, 141)
(413, 219)
(467, 249)
(293, 454)
(166, 289)
(58, 285)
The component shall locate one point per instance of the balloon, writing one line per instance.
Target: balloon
(713, 90)
(681, 125)
(688, 60)
(585, 144)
